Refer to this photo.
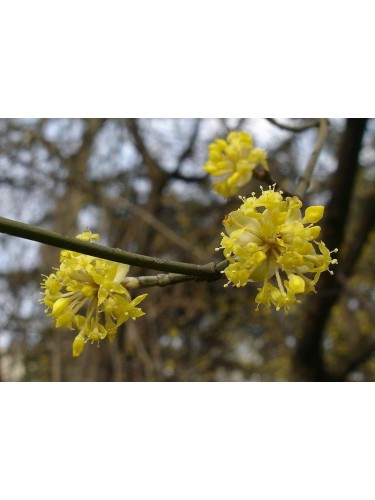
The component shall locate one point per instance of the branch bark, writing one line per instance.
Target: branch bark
(209, 271)
(295, 128)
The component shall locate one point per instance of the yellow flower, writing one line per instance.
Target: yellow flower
(233, 161)
(85, 283)
(268, 237)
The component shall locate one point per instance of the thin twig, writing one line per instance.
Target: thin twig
(265, 176)
(295, 128)
(165, 279)
(304, 182)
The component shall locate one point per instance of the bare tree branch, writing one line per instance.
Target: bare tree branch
(304, 182)
(295, 128)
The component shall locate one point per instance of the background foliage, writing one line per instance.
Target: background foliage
(139, 183)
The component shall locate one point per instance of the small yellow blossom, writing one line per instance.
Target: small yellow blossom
(268, 236)
(233, 160)
(93, 287)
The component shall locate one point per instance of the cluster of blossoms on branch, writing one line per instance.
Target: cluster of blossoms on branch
(93, 286)
(233, 161)
(268, 240)
(268, 237)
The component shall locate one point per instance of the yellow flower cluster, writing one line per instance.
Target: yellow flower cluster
(268, 236)
(93, 285)
(233, 161)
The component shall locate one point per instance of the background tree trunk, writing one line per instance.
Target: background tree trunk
(309, 359)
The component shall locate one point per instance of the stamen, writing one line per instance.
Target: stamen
(279, 283)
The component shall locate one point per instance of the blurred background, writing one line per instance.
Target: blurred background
(140, 185)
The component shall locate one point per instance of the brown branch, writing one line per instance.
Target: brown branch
(265, 176)
(155, 169)
(186, 153)
(295, 128)
(304, 182)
